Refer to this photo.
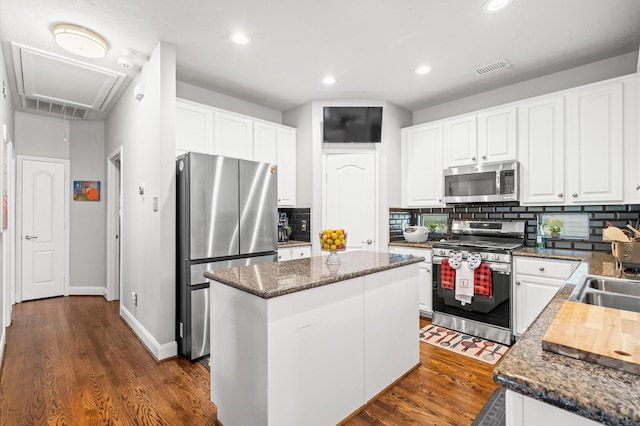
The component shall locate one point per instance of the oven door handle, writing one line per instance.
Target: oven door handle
(497, 267)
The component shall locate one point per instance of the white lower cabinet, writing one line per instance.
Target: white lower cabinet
(536, 281)
(525, 411)
(425, 274)
(293, 253)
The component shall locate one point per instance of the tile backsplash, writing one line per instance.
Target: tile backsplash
(296, 217)
(617, 215)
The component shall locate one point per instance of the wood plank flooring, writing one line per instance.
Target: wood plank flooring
(73, 361)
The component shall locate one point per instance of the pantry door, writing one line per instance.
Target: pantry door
(42, 235)
(349, 197)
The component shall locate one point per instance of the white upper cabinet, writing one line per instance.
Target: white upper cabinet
(460, 141)
(632, 139)
(233, 135)
(594, 145)
(541, 150)
(487, 137)
(194, 127)
(422, 166)
(286, 159)
(265, 142)
(497, 135)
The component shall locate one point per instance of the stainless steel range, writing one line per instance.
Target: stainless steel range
(472, 278)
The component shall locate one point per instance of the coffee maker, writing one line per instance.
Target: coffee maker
(283, 225)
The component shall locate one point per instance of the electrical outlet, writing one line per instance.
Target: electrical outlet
(134, 297)
(303, 225)
(155, 204)
(181, 331)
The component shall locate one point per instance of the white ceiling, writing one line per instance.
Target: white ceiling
(372, 47)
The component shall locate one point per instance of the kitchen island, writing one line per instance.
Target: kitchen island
(303, 342)
(548, 388)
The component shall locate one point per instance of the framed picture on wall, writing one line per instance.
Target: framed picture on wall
(86, 190)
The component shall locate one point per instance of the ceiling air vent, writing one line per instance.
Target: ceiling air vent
(496, 66)
(54, 108)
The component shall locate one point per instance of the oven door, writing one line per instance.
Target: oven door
(495, 310)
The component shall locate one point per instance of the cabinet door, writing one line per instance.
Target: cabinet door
(532, 295)
(233, 136)
(541, 132)
(425, 290)
(497, 135)
(194, 128)
(284, 254)
(300, 252)
(460, 141)
(286, 159)
(595, 132)
(264, 142)
(422, 166)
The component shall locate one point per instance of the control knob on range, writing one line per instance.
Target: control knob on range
(484, 255)
(495, 257)
(441, 252)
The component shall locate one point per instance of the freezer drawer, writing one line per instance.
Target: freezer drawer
(200, 335)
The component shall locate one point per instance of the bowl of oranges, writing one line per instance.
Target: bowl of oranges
(333, 240)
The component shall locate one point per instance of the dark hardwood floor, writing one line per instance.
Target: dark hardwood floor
(73, 361)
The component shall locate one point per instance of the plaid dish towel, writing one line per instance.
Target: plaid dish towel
(447, 275)
(482, 281)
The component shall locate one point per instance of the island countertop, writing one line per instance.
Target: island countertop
(590, 390)
(275, 279)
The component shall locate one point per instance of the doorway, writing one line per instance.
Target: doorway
(43, 237)
(350, 199)
(114, 224)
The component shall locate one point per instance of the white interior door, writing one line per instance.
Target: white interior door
(42, 233)
(114, 223)
(350, 198)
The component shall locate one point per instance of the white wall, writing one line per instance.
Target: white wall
(146, 132)
(87, 231)
(41, 136)
(307, 118)
(218, 100)
(590, 73)
(6, 118)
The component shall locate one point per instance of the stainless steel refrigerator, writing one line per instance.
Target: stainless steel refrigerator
(227, 216)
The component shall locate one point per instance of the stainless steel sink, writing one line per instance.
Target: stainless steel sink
(616, 293)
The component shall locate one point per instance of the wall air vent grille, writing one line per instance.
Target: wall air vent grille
(54, 108)
(490, 68)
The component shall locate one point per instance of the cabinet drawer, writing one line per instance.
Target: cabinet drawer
(558, 269)
(300, 252)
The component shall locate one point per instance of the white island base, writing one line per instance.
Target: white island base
(313, 357)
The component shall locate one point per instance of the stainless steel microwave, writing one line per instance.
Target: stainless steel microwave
(481, 184)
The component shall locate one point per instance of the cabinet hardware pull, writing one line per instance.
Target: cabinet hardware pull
(541, 268)
(638, 188)
(473, 158)
(484, 157)
(574, 195)
(560, 195)
(517, 282)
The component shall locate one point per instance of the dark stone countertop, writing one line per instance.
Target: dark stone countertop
(275, 279)
(593, 391)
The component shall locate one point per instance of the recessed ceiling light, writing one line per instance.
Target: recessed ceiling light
(495, 5)
(80, 41)
(328, 80)
(240, 38)
(424, 69)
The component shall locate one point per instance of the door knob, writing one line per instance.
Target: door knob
(30, 237)
(369, 241)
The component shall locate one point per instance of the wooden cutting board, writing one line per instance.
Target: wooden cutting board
(605, 336)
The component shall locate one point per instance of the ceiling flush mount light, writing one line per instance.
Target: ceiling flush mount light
(239, 38)
(424, 69)
(80, 41)
(328, 80)
(496, 5)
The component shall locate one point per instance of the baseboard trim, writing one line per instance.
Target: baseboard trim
(86, 291)
(3, 344)
(160, 352)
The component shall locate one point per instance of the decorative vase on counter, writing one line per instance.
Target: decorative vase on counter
(333, 241)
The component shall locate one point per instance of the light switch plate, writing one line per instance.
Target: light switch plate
(155, 204)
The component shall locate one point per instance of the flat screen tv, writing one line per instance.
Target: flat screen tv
(352, 124)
